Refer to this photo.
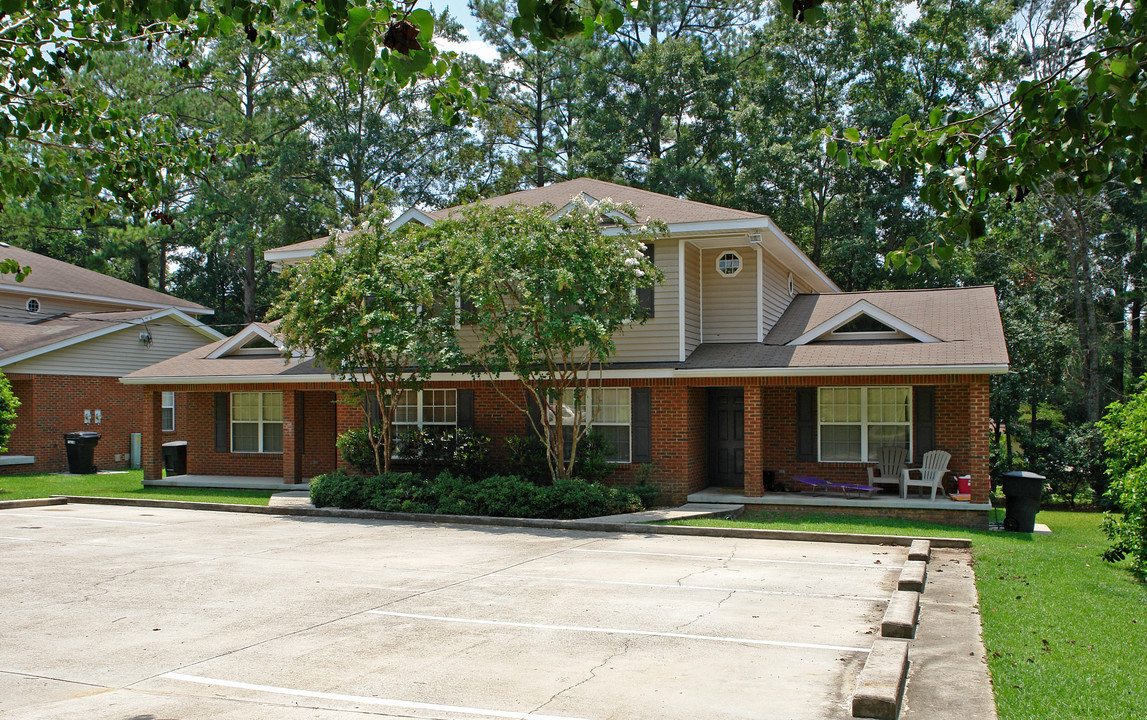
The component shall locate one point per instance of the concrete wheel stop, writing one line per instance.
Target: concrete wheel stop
(880, 687)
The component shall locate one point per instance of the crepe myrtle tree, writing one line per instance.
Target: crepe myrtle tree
(545, 292)
(368, 307)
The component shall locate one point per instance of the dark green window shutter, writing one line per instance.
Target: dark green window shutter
(373, 413)
(924, 420)
(645, 294)
(806, 424)
(641, 400)
(222, 422)
(534, 423)
(465, 399)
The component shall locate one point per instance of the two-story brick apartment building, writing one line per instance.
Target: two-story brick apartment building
(753, 365)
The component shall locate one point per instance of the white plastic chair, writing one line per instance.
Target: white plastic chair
(931, 472)
(890, 463)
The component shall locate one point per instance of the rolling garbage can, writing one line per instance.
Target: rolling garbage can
(175, 457)
(81, 448)
(1022, 489)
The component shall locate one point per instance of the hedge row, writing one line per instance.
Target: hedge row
(494, 496)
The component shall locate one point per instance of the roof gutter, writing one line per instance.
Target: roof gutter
(621, 374)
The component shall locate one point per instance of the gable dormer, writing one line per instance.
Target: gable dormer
(255, 339)
(863, 321)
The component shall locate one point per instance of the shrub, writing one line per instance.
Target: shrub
(355, 448)
(527, 459)
(462, 452)
(1072, 460)
(8, 405)
(339, 489)
(1124, 430)
(449, 494)
(647, 490)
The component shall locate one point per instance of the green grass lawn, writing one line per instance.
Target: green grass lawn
(125, 485)
(1066, 632)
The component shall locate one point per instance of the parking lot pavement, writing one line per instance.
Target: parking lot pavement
(128, 612)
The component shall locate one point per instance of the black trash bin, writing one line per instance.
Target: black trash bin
(81, 448)
(1022, 490)
(175, 457)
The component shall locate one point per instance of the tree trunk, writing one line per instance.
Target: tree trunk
(249, 282)
(1077, 244)
(1136, 351)
(161, 271)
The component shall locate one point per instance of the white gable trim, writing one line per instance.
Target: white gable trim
(113, 327)
(141, 304)
(412, 214)
(863, 307)
(241, 338)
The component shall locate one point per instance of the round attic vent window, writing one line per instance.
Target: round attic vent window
(728, 264)
(33, 305)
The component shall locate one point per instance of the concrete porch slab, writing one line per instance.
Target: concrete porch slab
(227, 482)
(890, 501)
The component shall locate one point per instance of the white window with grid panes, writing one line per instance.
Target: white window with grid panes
(855, 422)
(432, 410)
(610, 417)
(257, 422)
(168, 411)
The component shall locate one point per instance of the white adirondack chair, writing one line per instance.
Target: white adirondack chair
(931, 472)
(890, 463)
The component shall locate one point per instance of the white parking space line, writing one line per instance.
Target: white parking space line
(869, 566)
(619, 631)
(23, 539)
(364, 700)
(694, 587)
(45, 516)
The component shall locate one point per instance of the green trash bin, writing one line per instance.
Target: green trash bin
(1022, 490)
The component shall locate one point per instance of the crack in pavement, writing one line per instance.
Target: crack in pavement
(723, 566)
(707, 613)
(592, 674)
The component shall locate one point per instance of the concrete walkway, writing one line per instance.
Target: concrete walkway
(686, 511)
(302, 499)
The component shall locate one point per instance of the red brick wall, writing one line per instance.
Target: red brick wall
(679, 428)
(52, 405)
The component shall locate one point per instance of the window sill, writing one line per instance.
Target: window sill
(256, 452)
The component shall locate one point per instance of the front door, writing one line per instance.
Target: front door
(727, 437)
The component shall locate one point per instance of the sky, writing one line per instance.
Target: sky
(475, 45)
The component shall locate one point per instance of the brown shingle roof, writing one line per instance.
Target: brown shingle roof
(16, 338)
(49, 274)
(196, 364)
(650, 205)
(965, 320)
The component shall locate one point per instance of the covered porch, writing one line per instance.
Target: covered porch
(762, 434)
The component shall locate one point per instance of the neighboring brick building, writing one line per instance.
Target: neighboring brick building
(754, 368)
(66, 336)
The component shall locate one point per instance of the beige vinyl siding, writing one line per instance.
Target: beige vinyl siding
(13, 304)
(116, 354)
(775, 296)
(692, 298)
(728, 304)
(657, 340)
